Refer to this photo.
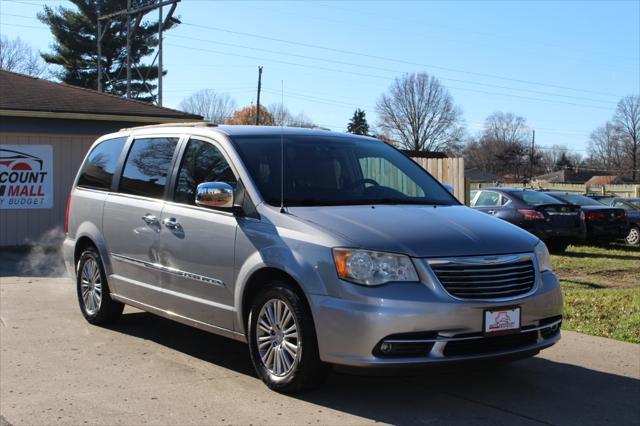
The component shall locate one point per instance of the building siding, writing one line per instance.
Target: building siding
(20, 227)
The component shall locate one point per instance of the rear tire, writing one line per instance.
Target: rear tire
(633, 238)
(282, 339)
(93, 291)
(557, 247)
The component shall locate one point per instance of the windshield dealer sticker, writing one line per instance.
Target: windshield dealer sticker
(26, 177)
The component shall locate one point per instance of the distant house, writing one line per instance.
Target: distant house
(565, 176)
(606, 180)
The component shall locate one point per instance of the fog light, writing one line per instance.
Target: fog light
(386, 347)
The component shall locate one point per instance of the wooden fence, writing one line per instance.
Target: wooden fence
(449, 171)
(618, 190)
(446, 170)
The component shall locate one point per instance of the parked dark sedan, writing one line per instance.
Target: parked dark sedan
(604, 223)
(633, 214)
(553, 221)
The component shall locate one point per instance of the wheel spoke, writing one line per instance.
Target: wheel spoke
(290, 348)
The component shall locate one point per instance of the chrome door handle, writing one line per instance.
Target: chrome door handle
(150, 219)
(491, 211)
(171, 223)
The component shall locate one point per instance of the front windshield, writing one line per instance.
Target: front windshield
(321, 171)
(580, 200)
(635, 201)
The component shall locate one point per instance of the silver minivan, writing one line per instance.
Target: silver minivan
(316, 248)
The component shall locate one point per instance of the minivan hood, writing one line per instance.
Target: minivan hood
(420, 231)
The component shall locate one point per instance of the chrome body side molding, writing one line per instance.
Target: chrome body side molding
(170, 270)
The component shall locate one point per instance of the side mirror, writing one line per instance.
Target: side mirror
(450, 188)
(217, 195)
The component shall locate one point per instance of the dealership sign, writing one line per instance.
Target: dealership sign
(26, 177)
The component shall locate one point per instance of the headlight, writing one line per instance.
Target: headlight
(543, 256)
(372, 267)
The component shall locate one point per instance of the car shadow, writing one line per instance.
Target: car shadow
(529, 391)
(600, 255)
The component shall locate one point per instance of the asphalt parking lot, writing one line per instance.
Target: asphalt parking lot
(57, 369)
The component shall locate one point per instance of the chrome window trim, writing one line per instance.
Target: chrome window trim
(170, 270)
(487, 260)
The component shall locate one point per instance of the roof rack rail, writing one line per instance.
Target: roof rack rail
(179, 124)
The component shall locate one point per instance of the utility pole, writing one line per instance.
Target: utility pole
(138, 13)
(258, 99)
(160, 70)
(129, 49)
(533, 145)
(99, 41)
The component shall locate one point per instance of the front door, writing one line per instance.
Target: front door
(131, 220)
(197, 243)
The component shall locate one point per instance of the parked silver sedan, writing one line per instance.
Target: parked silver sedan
(315, 248)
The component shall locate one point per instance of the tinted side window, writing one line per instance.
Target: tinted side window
(201, 162)
(97, 171)
(145, 171)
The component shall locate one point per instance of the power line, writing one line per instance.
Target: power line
(349, 52)
(384, 69)
(481, 33)
(383, 77)
(430, 37)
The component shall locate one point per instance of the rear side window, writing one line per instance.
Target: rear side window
(533, 198)
(97, 171)
(147, 166)
(488, 199)
(202, 162)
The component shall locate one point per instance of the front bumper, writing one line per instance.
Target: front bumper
(350, 331)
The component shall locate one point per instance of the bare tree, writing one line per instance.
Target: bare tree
(502, 147)
(283, 117)
(627, 122)
(213, 106)
(419, 113)
(556, 158)
(18, 56)
(605, 147)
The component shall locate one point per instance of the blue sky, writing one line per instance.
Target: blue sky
(561, 65)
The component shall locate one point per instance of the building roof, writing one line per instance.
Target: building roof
(34, 97)
(565, 176)
(605, 180)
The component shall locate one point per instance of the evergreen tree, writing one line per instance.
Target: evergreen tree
(358, 124)
(563, 162)
(75, 46)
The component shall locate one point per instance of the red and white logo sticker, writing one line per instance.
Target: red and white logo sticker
(501, 320)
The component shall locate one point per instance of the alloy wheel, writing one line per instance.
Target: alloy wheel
(634, 236)
(277, 338)
(91, 286)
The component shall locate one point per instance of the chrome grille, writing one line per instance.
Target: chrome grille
(486, 278)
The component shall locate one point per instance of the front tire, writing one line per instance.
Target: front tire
(633, 238)
(282, 339)
(93, 291)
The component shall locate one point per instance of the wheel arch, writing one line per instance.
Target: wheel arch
(252, 288)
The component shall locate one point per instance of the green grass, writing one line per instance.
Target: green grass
(601, 287)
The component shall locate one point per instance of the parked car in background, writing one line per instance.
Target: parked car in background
(553, 221)
(633, 214)
(604, 223)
